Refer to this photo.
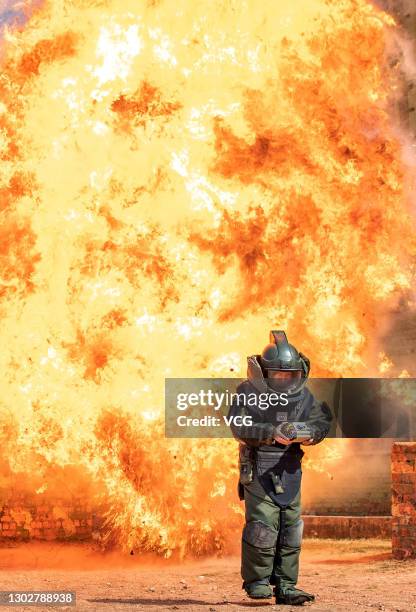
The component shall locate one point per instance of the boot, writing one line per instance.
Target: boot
(259, 589)
(292, 596)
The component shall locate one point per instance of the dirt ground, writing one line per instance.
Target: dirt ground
(344, 575)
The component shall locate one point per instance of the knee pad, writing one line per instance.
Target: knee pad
(292, 534)
(259, 535)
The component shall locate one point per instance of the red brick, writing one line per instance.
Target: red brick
(407, 467)
(407, 508)
(404, 447)
(401, 554)
(398, 479)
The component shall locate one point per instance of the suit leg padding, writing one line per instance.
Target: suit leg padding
(292, 535)
(258, 551)
(260, 535)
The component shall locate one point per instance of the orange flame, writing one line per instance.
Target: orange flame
(177, 179)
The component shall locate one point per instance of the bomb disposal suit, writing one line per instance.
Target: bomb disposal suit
(270, 466)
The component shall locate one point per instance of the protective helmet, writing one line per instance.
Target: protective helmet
(285, 368)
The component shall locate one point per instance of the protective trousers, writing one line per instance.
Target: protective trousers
(266, 553)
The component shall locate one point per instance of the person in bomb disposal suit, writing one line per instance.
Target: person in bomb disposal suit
(270, 467)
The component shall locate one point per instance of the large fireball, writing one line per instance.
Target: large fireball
(177, 178)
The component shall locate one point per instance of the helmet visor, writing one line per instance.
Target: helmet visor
(285, 381)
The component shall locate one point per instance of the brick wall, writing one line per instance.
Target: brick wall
(347, 527)
(22, 520)
(404, 500)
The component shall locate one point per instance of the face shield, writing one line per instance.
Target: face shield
(285, 381)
